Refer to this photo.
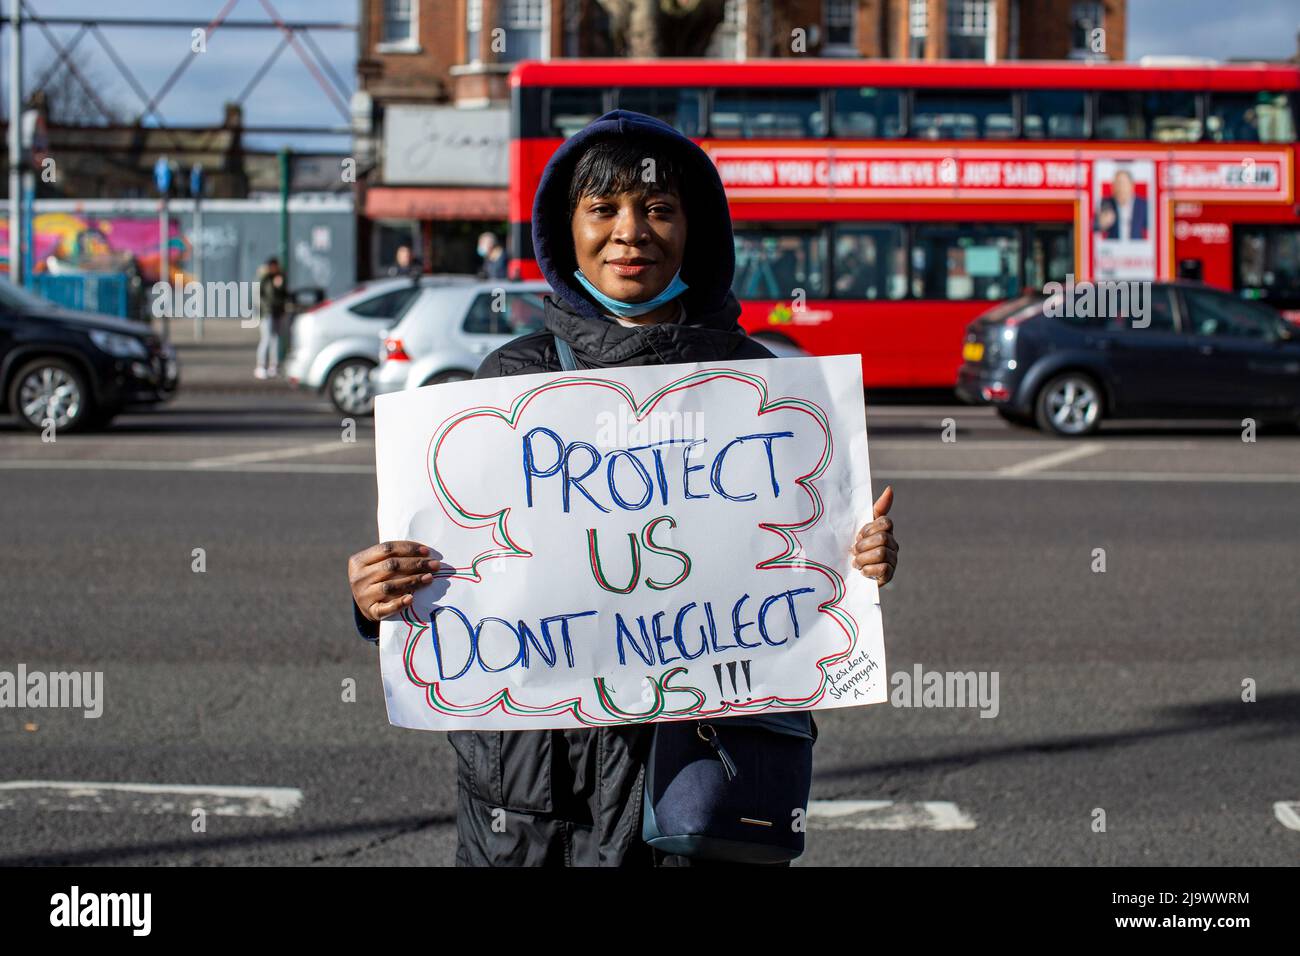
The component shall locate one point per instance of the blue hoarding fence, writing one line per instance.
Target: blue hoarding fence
(88, 291)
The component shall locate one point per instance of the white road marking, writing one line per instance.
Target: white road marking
(932, 411)
(886, 815)
(1288, 814)
(298, 451)
(997, 444)
(252, 468)
(1191, 477)
(1043, 462)
(148, 798)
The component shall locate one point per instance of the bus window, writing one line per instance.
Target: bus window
(679, 108)
(943, 115)
(965, 261)
(1250, 118)
(870, 262)
(1268, 264)
(1119, 116)
(1172, 117)
(1055, 114)
(868, 112)
(1050, 257)
(774, 262)
(571, 108)
(1166, 116)
(761, 114)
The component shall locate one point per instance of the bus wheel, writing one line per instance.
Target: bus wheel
(1070, 405)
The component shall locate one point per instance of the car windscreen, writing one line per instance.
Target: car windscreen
(388, 305)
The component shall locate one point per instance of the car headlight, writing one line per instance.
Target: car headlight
(118, 345)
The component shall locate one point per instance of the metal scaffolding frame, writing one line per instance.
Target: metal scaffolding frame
(327, 78)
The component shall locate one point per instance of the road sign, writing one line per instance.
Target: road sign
(162, 175)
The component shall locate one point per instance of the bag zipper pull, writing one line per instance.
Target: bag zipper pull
(729, 769)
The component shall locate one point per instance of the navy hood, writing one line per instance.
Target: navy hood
(709, 262)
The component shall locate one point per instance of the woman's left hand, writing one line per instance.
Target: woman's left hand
(875, 552)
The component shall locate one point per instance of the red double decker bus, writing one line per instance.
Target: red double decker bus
(880, 206)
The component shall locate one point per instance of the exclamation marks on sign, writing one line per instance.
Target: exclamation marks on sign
(731, 673)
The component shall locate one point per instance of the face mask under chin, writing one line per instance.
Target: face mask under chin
(629, 310)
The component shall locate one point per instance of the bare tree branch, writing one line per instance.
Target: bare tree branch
(657, 28)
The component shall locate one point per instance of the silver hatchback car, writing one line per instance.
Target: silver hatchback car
(446, 333)
(335, 345)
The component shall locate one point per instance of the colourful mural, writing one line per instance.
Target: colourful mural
(67, 242)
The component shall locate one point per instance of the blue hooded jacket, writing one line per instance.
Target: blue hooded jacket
(710, 259)
(710, 331)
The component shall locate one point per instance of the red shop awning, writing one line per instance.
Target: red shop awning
(436, 202)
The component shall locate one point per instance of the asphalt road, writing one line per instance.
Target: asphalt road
(1118, 691)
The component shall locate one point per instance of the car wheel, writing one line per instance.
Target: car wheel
(349, 387)
(1069, 404)
(456, 375)
(51, 389)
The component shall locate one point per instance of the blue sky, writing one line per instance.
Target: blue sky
(289, 94)
(1223, 29)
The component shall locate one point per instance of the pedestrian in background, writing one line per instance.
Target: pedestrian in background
(404, 264)
(493, 255)
(273, 299)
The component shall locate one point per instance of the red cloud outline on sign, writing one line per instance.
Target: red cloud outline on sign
(505, 547)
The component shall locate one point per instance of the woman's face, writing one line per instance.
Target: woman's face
(630, 247)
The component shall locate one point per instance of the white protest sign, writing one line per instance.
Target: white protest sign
(629, 545)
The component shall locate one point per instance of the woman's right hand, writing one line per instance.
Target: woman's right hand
(384, 576)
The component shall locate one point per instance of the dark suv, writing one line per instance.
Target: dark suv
(1196, 352)
(76, 369)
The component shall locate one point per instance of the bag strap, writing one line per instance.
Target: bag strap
(568, 361)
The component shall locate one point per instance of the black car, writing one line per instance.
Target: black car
(76, 369)
(1193, 351)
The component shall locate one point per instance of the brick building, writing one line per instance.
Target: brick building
(431, 114)
(992, 29)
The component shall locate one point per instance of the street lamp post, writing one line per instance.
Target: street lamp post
(196, 191)
(15, 142)
(162, 177)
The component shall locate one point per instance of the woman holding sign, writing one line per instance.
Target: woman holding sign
(631, 229)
